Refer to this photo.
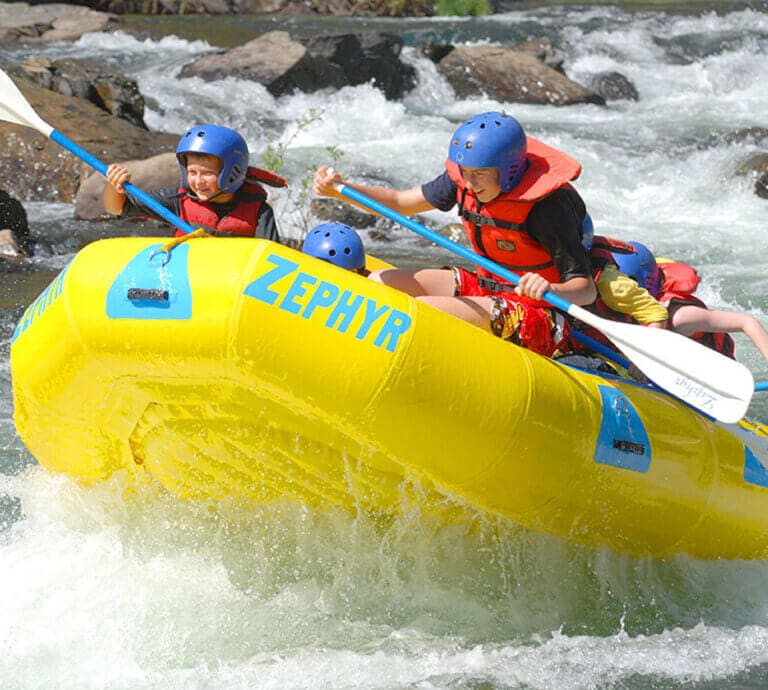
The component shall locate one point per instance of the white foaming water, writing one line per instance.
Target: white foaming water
(108, 588)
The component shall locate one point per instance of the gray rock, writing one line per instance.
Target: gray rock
(273, 59)
(435, 51)
(94, 81)
(510, 76)
(14, 230)
(284, 65)
(10, 249)
(757, 167)
(541, 48)
(367, 56)
(328, 209)
(757, 135)
(34, 23)
(614, 86)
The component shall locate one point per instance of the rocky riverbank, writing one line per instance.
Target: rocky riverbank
(102, 110)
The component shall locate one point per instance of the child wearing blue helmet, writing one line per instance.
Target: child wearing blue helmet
(673, 284)
(218, 190)
(519, 209)
(338, 244)
(632, 284)
(621, 296)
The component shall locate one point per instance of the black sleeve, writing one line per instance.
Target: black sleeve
(168, 197)
(266, 227)
(555, 222)
(440, 192)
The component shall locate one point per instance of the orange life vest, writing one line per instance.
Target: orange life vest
(243, 219)
(678, 283)
(497, 229)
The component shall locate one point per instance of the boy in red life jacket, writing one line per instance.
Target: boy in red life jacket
(219, 191)
(673, 284)
(518, 209)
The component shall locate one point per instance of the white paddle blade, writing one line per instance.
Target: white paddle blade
(713, 383)
(16, 109)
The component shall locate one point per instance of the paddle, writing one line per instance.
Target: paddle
(761, 386)
(16, 109)
(718, 386)
(675, 363)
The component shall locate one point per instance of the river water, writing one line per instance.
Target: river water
(97, 591)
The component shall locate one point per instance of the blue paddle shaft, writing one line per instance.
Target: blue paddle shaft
(131, 189)
(492, 266)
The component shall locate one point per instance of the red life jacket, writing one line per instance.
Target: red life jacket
(678, 283)
(242, 220)
(601, 254)
(497, 229)
(602, 251)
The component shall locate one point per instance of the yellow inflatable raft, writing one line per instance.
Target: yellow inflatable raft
(242, 368)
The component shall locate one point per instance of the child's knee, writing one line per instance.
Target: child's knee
(375, 276)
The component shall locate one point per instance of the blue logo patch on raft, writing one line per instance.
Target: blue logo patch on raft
(46, 298)
(623, 440)
(300, 293)
(754, 471)
(154, 285)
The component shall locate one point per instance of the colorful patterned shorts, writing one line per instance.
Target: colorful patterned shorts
(516, 318)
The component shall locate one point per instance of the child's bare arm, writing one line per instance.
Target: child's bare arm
(688, 319)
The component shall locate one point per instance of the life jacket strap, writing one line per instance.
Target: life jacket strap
(494, 285)
(477, 220)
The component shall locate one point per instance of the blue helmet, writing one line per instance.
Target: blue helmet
(641, 267)
(222, 142)
(337, 243)
(491, 140)
(587, 233)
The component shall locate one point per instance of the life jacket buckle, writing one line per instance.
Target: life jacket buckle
(494, 285)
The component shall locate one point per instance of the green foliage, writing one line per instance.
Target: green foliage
(299, 192)
(462, 8)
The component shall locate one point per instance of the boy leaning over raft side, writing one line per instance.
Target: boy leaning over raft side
(219, 191)
(633, 287)
(673, 284)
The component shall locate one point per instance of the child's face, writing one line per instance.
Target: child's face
(203, 175)
(484, 182)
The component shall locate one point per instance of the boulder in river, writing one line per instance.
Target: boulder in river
(510, 76)
(284, 65)
(93, 81)
(47, 22)
(756, 166)
(14, 230)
